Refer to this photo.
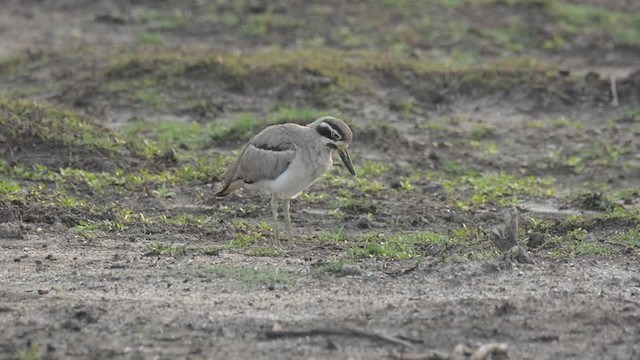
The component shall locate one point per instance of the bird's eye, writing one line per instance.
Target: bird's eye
(335, 135)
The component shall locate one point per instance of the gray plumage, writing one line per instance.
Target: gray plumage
(284, 160)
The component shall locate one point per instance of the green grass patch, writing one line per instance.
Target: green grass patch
(185, 219)
(629, 238)
(474, 190)
(337, 236)
(331, 267)
(149, 38)
(210, 250)
(335, 72)
(32, 353)
(29, 122)
(151, 97)
(623, 28)
(23, 63)
(594, 201)
(370, 168)
(573, 234)
(266, 251)
(400, 246)
(86, 229)
(178, 133)
(9, 191)
(160, 249)
(253, 276)
(169, 133)
(248, 234)
(67, 180)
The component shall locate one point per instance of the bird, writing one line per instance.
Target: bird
(285, 159)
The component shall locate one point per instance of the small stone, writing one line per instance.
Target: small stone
(43, 291)
(350, 270)
(363, 222)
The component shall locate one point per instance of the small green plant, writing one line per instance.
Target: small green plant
(86, 229)
(594, 201)
(32, 353)
(266, 251)
(164, 192)
(331, 236)
(362, 205)
(474, 190)
(313, 197)
(398, 246)
(70, 202)
(630, 238)
(177, 20)
(244, 240)
(283, 114)
(330, 267)
(240, 126)
(257, 25)
(147, 38)
(210, 250)
(9, 191)
(589, 248)
(160, 249)
(151, 97)
(372, 168)
(483, 131)
(406, 185)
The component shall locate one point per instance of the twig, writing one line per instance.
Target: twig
(617, 244)
(631, 301)
(614, 91)
(339, 332)
(434, 355)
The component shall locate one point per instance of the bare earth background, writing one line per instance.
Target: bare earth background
(117, 117)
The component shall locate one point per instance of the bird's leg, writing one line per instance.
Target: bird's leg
(274, 210)
(287, 218)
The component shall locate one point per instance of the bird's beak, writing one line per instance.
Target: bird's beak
(346, 159)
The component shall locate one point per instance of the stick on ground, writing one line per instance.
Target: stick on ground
(614, 91)
(339, 332)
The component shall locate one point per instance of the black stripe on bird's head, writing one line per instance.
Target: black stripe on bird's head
(333, 129)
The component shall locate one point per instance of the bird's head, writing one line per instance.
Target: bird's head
(337, 135)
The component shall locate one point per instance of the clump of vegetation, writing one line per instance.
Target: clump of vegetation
(572, 235)
(266, 251)
(32, 353)
(47, 130)
(474, 190)
(160, 249)
(466, 242)
(10, 192)
(49, 127)
(331, 267)
(595, 201)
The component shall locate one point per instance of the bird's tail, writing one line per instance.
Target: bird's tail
(229, 187)
(224, 191)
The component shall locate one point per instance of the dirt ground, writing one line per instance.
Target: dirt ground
(460, 109)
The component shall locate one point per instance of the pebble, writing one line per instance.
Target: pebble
(363, 222)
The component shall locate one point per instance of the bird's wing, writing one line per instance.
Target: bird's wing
(264, 163)
(265, 157)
